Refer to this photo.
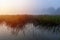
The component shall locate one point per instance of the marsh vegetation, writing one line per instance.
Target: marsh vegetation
(38, 25)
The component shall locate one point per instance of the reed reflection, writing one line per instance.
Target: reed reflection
(18, 22)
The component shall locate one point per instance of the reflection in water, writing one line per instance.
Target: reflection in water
(30, 33)
(18, 22)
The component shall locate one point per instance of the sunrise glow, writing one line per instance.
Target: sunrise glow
(12, 6)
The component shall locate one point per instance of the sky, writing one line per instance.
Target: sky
(25, 6)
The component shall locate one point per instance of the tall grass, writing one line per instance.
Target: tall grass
(49, 22)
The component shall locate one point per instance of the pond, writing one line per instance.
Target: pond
(28, 33)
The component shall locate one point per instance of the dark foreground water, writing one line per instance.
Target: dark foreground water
(28, 33)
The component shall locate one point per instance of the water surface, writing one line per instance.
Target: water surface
(28, 33)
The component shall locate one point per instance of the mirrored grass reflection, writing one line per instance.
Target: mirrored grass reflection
(27, 28)
(29, 32)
